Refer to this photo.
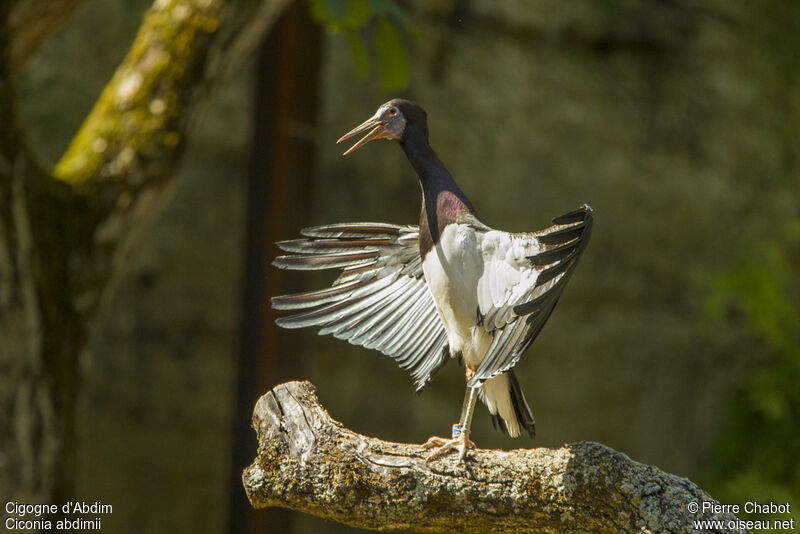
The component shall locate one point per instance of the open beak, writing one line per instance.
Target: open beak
(376, 127)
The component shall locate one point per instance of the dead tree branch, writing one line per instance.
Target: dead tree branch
(309, 462)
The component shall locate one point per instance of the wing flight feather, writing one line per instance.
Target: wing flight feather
(379, 300)
(524, 276)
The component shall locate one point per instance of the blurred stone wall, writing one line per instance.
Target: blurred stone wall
(676, 122)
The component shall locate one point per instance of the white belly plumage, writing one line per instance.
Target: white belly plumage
(452, 270)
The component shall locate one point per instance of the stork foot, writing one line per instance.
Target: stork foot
(442, 446)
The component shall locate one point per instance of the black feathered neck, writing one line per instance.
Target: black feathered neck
(443, 202)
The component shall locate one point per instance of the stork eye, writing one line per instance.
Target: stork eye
(392, 112)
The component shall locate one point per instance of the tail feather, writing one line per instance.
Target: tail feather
(521, 408)
(507, 405)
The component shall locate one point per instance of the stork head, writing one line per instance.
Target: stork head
(392, 121)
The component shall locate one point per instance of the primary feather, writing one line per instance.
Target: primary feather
(381, 300)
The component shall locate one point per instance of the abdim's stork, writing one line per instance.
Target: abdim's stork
(450, 287)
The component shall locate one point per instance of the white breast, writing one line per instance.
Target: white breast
(452, 270)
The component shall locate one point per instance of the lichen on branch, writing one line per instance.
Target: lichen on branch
(306, 461)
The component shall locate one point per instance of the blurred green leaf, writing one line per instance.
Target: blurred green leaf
(756, 451)
(757, 287)
(358, 14)
(337, 9)
(351, 17)
(391, 9)
(341, 15)
(319, 12)
(392, 62)
(358, 51)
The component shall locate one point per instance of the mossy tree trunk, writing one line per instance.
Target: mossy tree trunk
(62, 232)
(40, 331)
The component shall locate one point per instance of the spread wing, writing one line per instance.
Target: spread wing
(523, 277)
(380, 299)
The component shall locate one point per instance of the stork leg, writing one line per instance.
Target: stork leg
(460, 440)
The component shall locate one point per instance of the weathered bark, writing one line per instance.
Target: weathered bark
(39, 336)
(309, 462)
(59, 233)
